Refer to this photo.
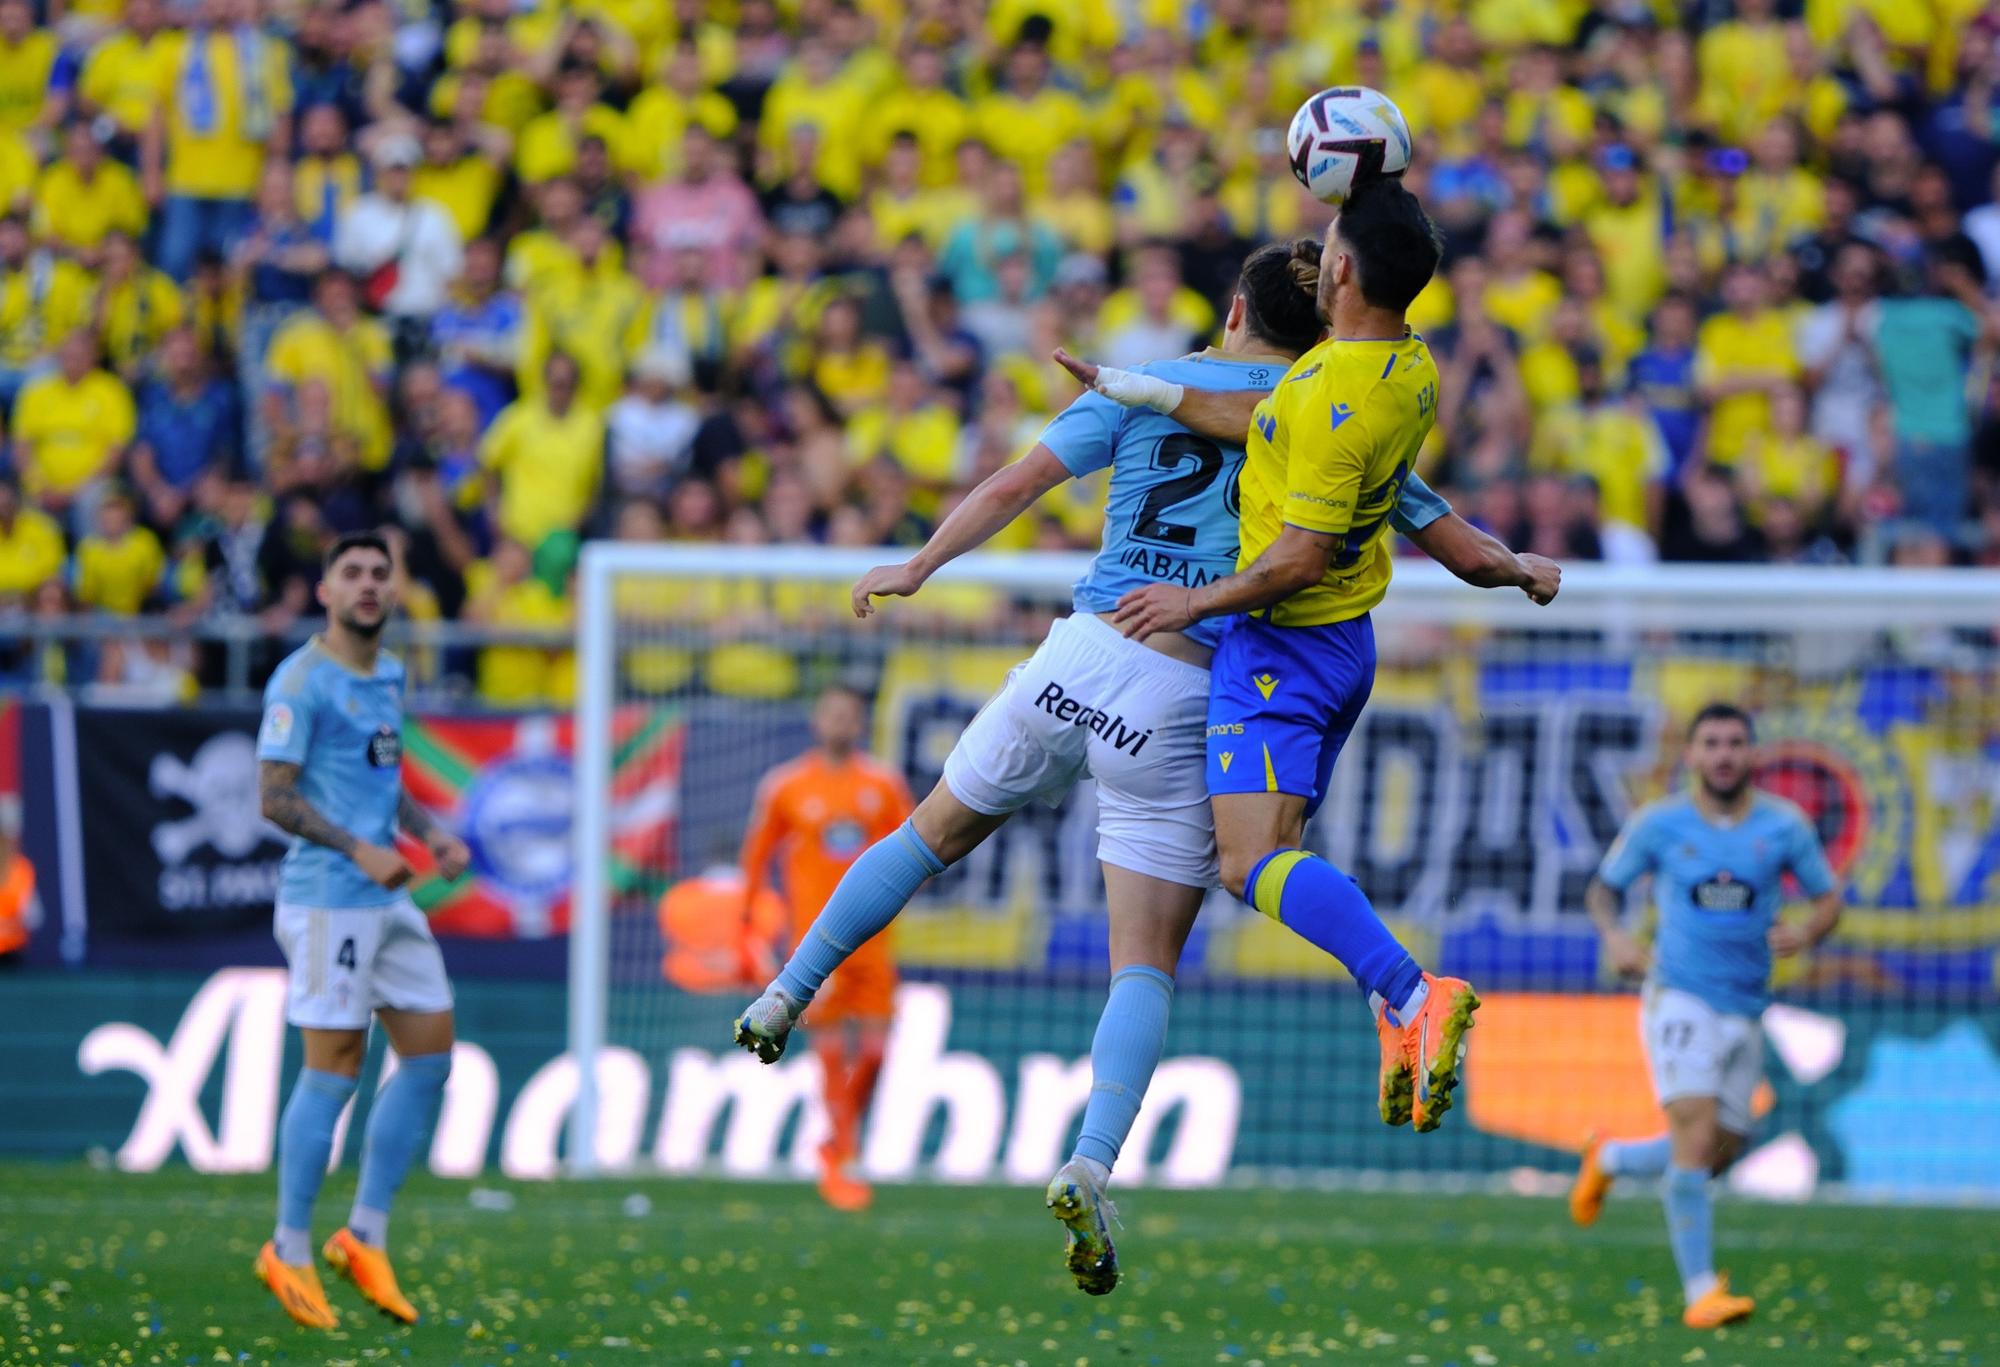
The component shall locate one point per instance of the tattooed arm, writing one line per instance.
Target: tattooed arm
(411, 816)
(286, 808)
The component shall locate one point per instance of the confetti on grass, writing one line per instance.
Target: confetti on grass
(105, 1267)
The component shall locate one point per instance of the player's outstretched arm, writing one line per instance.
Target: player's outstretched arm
(1485, 561)
(1297, 560)
(1000, 498)
(1224, 415)
(450, 852)
(285, 807)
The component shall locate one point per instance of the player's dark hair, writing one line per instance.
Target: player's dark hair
(355, 541)
(1722, 711)
(1279, 284)
(1395, 245)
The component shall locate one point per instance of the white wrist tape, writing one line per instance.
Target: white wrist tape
(1133, 390)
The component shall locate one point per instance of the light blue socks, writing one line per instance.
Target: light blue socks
(1130, 1035)
(1635, 1157)
(305, 1142)
(873, 891)
(397, 1125)
(1324, 906)
(1691, 1229)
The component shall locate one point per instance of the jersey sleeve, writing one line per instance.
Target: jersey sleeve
(1327, 460)
(1417, 506)
(1084, 435)
(1631, 854)
(1807, 860)
(286, 731)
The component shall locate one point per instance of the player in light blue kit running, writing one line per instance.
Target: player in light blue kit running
(1132, 714)
(330, 755)
(1718, 856)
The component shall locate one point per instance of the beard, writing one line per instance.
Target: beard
(367, 631)
(1730, 793)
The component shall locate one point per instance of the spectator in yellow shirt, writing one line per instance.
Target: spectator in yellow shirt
(548, 144)
(1788, 462)
(811, 95)
(120, 566)
(661, 114)
(1741, 357)
(458, 178)
(71, 426)
(27, 57)
(134, 307)
(850, 368)
(226, 103)
(600, 316)
(327, 176)
(85, 196)
(502, 592)
(126, 70)
(41, 300)
(925, 109)
(31, 547)
(544, 455)
(331, 362)
(1519, 294)
(1027, 120)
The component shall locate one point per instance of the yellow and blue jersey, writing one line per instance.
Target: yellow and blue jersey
(1170, 515)
(345, 732)
(1330, 451)
(1718, 890)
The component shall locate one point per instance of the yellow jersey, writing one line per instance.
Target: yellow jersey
(1329, 451)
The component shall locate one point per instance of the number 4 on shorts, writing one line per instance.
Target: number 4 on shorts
(346, 956)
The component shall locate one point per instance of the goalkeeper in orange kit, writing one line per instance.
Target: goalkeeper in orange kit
(814, 816)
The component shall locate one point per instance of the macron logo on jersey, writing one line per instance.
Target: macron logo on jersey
(1341, 413)
(1113, 729)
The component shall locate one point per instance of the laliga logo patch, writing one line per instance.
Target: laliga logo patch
(385, 748)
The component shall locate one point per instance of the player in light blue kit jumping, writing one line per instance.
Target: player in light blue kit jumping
(330, 755)
(1718, 856)
(1130, 713)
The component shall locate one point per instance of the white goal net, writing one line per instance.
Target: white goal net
(1503, 747)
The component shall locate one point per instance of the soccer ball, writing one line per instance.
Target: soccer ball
(1343, 137)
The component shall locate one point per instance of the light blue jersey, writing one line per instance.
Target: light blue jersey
(1718, 889)
(345, 732)
(1170, 516)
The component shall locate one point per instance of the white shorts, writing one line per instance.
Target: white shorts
(345, 962)
(1696, 1050)
(1091, 702)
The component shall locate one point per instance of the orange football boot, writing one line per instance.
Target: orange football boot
(1586, 1194)
(1421, 1057)
(1718, 1307)
(297, 1289)
(368, 1268)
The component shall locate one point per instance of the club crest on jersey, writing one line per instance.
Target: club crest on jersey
(385, 748)
(843, 838)
(1723, 893)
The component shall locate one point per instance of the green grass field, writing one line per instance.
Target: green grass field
(108, 1268)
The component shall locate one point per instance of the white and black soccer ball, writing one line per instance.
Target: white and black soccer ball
(1344, 137)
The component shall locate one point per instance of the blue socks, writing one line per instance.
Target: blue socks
(397, 1124)
(1321, 904)
(1130, 1035)
(875, 888)
(1635, 1157)
(1691, 1229)
(305, 1143)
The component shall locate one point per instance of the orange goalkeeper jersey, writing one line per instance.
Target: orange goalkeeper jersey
(815, 818)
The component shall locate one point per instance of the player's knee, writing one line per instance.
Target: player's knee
(1727, 1149)
(1237, 866)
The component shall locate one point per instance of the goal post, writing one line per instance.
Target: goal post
(1502, 748)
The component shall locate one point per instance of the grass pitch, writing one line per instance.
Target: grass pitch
(111, 1268)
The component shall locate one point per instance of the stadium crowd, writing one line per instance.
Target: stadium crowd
(503, 275)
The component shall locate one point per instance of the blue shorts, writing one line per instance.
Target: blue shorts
(1282, 702)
